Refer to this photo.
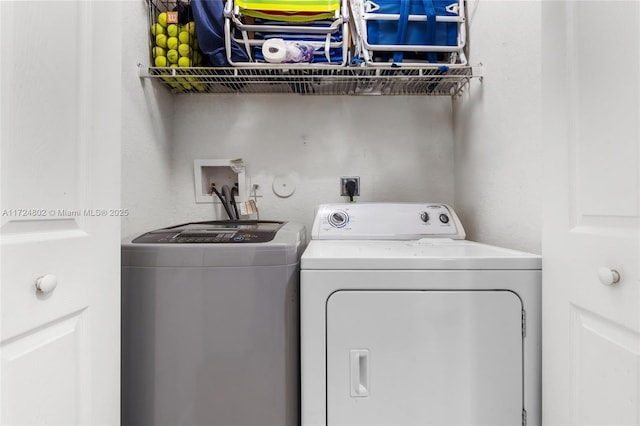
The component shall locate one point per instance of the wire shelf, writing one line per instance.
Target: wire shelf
(314, 81)
(303, 79)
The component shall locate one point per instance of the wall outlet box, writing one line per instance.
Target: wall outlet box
(343, 185)
(219, 172)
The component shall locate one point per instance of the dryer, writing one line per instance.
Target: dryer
(404, 322)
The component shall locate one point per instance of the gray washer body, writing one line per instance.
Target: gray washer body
(210, 332)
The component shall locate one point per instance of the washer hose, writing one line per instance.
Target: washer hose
(224, 204)
(229, 201)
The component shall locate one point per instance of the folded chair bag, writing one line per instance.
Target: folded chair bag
(290, 5)
(280, 15)
(404, 32)
(209, 18)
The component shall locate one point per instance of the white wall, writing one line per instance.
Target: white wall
(401, 147)
(498, 166)
(146, 128)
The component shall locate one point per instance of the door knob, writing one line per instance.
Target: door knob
(46, 283)
(608, 276)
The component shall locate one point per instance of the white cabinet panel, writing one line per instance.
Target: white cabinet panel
(605, 370)
(424, 358)
(45, 104)
(43, 382)
(604, 108)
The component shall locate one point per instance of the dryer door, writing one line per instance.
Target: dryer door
(398, 358)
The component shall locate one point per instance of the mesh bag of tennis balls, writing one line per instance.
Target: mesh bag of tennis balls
(168, 37)
(176, 30)
(175, 45)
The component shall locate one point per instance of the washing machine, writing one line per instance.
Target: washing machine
(210, 325)
(404, 322)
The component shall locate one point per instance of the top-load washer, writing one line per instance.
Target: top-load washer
(210, 326)
(403, 322)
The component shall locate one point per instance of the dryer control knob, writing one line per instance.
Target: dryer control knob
(444, 218)
(338, 219)
(424, 216)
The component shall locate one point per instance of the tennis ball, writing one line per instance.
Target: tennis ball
(172, 43)
(158, 51)
(184, 62)
(161, 40)
(172, 56)
(161, 61)
(172, 30)
(162, 19)
(157, 29)
(191, 27)
(184, 37)
(200, 87)
(184, 50)
(197, 58)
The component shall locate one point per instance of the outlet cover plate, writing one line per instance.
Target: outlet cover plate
(343, 185)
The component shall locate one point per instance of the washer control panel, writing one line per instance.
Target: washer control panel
(213, 232)
(401, 221)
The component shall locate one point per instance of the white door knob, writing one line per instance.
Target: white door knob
(46, 283)
(608, 276)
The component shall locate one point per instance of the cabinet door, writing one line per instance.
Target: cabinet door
(60, 95)
(398, 358)
(591, 227)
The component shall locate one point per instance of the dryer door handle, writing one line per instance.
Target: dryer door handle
(359, 372)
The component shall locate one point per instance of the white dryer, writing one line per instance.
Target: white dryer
(403, 322)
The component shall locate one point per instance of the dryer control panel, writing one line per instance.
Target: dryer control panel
(392, 221)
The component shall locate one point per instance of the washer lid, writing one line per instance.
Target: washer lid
(284, 248)
(424, 254)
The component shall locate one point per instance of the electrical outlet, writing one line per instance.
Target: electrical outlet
(343, 185)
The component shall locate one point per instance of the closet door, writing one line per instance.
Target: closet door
(60, 76)
(399, 358)
(591, 237)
